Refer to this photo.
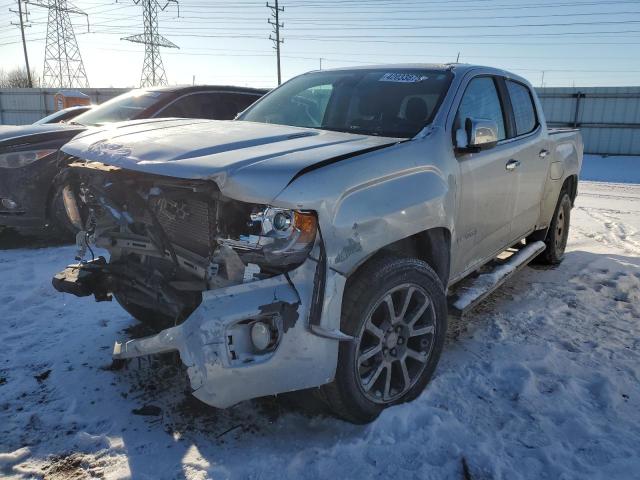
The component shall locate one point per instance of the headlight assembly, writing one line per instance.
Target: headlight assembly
(282, 237)
(21, 159)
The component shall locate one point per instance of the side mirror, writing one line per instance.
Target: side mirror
(478, 134)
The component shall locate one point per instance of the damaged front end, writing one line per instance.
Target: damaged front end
(236, 288)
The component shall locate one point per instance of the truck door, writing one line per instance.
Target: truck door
(487, 187)
(531, 158)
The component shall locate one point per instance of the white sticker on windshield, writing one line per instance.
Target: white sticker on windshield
(402, 77)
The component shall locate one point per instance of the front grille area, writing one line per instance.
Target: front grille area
(189, 223)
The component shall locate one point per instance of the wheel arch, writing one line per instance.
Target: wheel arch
(433, 246)
(570, 185)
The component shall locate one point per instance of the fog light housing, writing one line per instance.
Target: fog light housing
(261, 336)
(9, 204)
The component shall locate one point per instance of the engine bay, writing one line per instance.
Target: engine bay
(170, 239)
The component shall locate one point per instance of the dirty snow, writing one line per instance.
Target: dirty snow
(542, 382)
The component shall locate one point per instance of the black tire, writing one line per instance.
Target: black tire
(386, 277)
(558, 232)
(59, 220)
(151, 318)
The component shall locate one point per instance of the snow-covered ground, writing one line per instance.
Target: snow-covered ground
(542, 383)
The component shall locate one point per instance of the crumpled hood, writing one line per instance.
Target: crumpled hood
(249, 161)
(18, 133)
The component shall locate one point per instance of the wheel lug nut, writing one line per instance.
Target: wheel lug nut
(393, 352)
(400, 340)
(385, 350)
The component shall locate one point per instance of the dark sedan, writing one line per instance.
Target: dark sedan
(64, 115)
(31, 203)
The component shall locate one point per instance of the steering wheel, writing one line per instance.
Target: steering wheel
(309, 107)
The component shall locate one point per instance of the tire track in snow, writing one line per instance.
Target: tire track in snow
(616, 234)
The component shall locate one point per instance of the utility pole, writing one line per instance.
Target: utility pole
(320, 63)
(63, 65)
(542, 80)
(24, 42)
(458, 58)
(275, 23)
(153, 73)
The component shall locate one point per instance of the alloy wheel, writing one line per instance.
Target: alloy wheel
(395, 343)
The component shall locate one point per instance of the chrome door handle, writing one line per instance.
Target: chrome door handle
(543, 153)
(512, 165)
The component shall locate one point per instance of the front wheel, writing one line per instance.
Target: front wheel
(396, 311)
(60, 221)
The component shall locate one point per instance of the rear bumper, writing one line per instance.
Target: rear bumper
(214, 342)
(29, 188)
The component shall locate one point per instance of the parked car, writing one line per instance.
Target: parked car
(64, 115)
(31, 203)
(311, 244)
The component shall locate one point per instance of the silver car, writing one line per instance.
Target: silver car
(320, 240)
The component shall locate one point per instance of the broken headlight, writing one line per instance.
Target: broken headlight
(22, 159)
(282, 237)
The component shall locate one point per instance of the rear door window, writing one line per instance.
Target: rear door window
(481, 101)
(523, 109)
(208, 105)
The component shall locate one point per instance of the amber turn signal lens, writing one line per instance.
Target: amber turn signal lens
(307, 224)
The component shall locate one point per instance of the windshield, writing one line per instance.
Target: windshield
(62, 115)
(390, 103)
(123, 107)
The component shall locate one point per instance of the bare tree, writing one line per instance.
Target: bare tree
(18, 78)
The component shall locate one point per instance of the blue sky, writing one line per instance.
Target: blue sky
(581, 42)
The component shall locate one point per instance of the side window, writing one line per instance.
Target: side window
(240, 101)
(212, 106)
(189, 106)
(481, 100)
(523, 110)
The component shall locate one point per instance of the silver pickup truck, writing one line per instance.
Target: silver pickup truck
(321, 239)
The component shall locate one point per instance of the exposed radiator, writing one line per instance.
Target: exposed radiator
(187, 222)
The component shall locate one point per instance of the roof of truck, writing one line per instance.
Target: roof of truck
(201, 88)
(460, 68)
(426, 66)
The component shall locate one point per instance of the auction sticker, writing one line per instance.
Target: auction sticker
(402, 77)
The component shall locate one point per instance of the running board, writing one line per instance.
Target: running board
(470, 293)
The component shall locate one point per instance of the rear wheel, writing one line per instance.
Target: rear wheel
(396, 311)
(558, 233)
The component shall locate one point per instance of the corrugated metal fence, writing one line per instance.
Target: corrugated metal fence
(609, 117)
(21, 106)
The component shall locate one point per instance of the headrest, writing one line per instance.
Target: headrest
(416, 110)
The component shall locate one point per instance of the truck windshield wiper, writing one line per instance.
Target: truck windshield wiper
(352, 130)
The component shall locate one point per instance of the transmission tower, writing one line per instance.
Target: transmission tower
(63, 66)
(275, 23)
(153, 73)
